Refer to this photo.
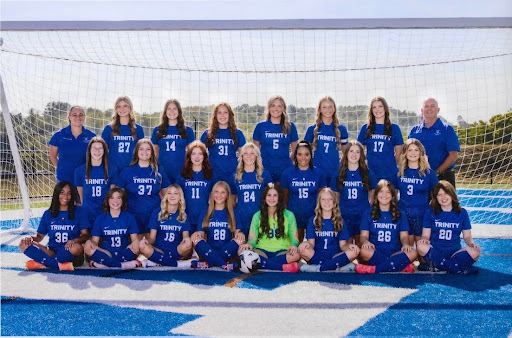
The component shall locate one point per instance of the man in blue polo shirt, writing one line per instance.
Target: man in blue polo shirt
(439, 139)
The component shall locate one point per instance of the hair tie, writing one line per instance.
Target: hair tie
(271, 185)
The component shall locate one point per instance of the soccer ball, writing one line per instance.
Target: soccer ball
(249, 261)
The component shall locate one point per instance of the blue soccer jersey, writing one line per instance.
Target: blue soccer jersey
(114, 232)
(222, 154)
(120, 147)
(303, 186)
(172, 149)
(384, 233)
(446, 228)
(326, 240)
(353, 195)
(196, 191)
(71, 151)
(327, 155)
(61, 229)
(275, 146)
(169, 232)
(380, 151)
(438, 141)
(218, 233)
(94, 189)
(248, 193)
(143, 186)
(415, 190)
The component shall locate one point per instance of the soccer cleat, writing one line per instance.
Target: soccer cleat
(67, 266)
(347, 268)
(131, 264)
(184, 264)
(470, 270)
(427, 268)
(199, 265)
(96, 265)
(291, 267)
(409, 268)
(33, 265)
(310, 268)
(148, 264)
(230, 267)
(361, 268)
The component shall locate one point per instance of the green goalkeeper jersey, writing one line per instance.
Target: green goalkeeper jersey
(270, 242)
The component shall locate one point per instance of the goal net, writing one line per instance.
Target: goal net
(469, 71)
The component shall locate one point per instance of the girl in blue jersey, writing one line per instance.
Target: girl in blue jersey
(248, 184)
(328, 137)
(327, 246)
(442, 226)
(196, 181)
(169, 231)
(93, 179)
(382, 140)
(67, 228)
(68, 146)
(415, 182)
(354, 185)
(143, 181)
(275, 137)
(301, 184)
(121, 135)
(273, 233)
(114, 237)
(216, 242)
(385, 235)
(170, 139)
(223, 139)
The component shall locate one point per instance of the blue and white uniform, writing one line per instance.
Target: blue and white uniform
(353, 198)
(326, 240)
(143, 186)
(218, 233)
(197, 192)
(327, 156)
(172, 149)
(303, 186)
(61, 229)
(94, 189)
(275, 146)
(169, 232)
(72, 151)
(222, 154)
(380, 151)
(414, 196)
(120, 147)
(248, 193)
(446, 228)
(115, 232)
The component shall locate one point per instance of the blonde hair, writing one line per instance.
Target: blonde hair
(285, 122)
(335, 123)
(229, 207)
(423, 161)
(336, 219)
(116, 120)
(258, 165)
(164, 212)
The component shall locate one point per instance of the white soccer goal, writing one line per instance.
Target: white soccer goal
(465, 64)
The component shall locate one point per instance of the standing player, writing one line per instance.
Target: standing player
(442, 226)
(328, 137)
(439, 139)
(68, 146)
(275, 137)
(223, 139)
(415, 182)
(385, 235)
(196, 181)
(327, 246)
(121, 135)
(383, 141)
(67, 228)
(117, 232)
(273, 233)
(216, 241)
(248, 183)
(170, 139)
(93, 179)
(143, 181)
(169, 231)
(354, 185)
(301, 184)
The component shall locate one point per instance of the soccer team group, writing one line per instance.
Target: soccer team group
(383, 202)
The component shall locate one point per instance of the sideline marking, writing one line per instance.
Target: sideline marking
(234, 281)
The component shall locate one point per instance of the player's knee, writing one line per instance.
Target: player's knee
(77, 249)
(422, 248)
(366, 254)
(89, 248)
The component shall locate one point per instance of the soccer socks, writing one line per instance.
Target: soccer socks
(463, 259)
(101, 257)
(64, 256)
(162, 259)
(394, 263)
(230, 250)
(40, 256)
(335, 262)
(275, 263)
(205, 251)
(437, 259)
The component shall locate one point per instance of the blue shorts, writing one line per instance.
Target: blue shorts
(415, 225)
(352, 223)
(270, 254)
(302, 220)
(322, 256)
